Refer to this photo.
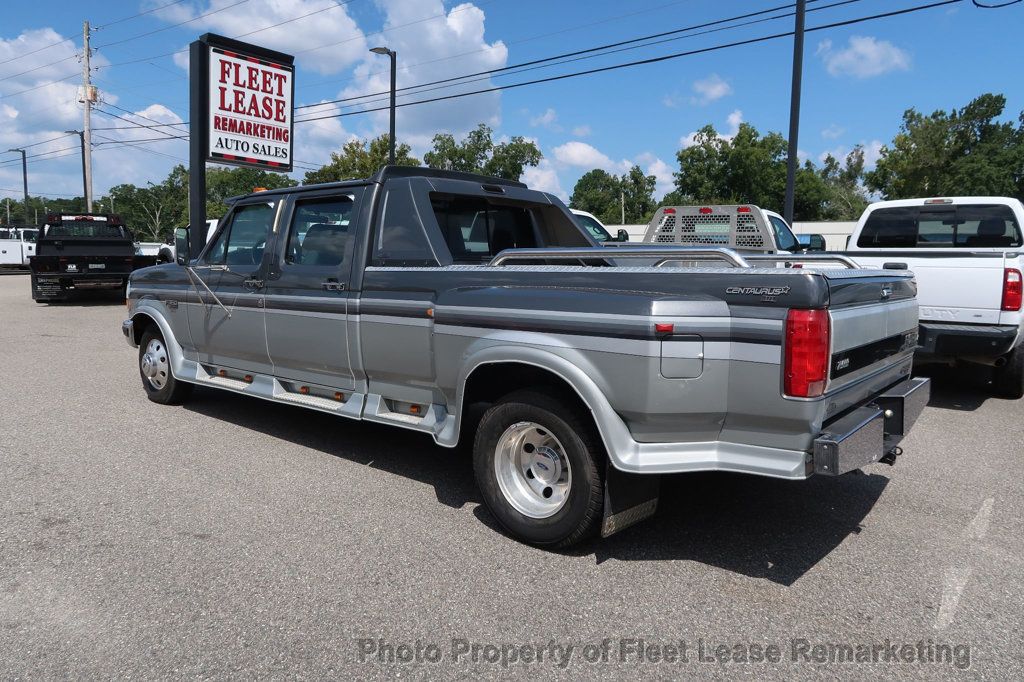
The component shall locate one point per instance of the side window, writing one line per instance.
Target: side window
(890, 228)
(242, 242)
(783, 235)
(477, 230)
(319, 231)
(401, 239)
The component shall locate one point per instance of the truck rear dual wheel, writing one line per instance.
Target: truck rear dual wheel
(155, 370)
(1008, 380)
(539, 466)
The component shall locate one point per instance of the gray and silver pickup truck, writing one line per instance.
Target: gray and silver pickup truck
(406, 298)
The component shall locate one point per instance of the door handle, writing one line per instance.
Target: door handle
(252, 283)
(332, 285)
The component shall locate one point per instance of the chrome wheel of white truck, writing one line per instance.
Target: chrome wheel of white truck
(539, 465)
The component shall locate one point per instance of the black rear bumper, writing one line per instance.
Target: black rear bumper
(864, 435)
(59, 287)
(938, 339)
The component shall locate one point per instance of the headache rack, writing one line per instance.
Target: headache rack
(663, 255)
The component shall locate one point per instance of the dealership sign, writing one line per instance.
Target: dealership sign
(248, 117)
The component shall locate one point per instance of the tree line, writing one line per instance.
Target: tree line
(965, 151)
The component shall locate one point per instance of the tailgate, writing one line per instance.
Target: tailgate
(952, 286)
(874, 318)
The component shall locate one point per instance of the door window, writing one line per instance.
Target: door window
(319, 231)
(243, 241)
(783, 235)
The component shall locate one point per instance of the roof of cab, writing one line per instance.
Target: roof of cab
(387, 173)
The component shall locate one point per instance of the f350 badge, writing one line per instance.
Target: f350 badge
(766, 293)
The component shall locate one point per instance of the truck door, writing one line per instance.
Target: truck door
(10, 247)
(233, 270)
(307, 292)
(28, 244)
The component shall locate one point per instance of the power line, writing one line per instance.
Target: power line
(42, 85)
(140, 14)
(589, 53)
(167, 28)
(651, 60)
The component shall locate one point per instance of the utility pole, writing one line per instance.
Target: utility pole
(622, 201)
(794, 110)
(24, 178)
(88, 97)
(7, 200)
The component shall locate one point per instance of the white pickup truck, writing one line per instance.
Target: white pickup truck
(967, 254)
(17, 245)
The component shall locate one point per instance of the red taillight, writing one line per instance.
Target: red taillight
(1013, 288)
(705, 210)
(670, 211)
(807, 353)
(743, 209)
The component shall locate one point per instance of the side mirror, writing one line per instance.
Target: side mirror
(817, 243)
(181, 253)
(622, 236)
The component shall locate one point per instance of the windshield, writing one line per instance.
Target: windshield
(783, 235)
(593, 228)
(29, 235)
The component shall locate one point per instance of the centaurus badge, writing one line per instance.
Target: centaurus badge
(766, 293)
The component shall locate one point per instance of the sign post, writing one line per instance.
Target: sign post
(240, 113)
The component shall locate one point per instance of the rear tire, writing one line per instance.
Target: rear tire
(540, 466)
(155, 370)
(1008, 380)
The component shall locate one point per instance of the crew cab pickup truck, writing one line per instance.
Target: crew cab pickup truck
(85, 252)
(967, 255)
(17, 245)
(598, 232)
(406, 298)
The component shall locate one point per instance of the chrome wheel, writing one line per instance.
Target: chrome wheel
(153, 364)
(532, 470)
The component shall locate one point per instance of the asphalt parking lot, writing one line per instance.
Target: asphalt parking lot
(237, 537)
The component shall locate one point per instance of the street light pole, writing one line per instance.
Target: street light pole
(24, 178)
(85, 176)
(794, 110)
(391, 136)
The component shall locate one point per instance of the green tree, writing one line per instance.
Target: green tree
(845, 198)
(477, 153)
(360, 159)
(965, 151)
(638, 196)
(749, 168)
(598, 192)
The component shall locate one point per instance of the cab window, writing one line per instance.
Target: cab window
(476, 230)
(783, 235)
(244, 239)
(320, 232)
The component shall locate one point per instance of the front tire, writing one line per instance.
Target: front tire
(1008, 380)
(155, 370)
(539, 465)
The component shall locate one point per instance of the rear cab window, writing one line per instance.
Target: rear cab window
(970, 226)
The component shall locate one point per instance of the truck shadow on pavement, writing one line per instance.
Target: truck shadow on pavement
(758, 527)
(964, 388)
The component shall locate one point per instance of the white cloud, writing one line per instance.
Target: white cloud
(833, 132)
(863, 57)
(549, 120)
(581, 131)
(583, 155)
(459, 33)
(326, 39)
(733, 121)
(544, 177)
(662, 172)
(710, 89)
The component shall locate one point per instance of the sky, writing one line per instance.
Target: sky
(858, 79)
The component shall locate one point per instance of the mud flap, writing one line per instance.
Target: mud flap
(628, 499)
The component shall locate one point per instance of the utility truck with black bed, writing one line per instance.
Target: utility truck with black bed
(83, 253)
(418, 298)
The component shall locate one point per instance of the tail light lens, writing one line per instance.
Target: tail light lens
(1013, 288)
(807, 353)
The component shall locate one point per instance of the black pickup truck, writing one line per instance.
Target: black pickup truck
(80, 253)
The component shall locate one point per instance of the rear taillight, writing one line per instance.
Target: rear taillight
(807, 347)
(1013, 288)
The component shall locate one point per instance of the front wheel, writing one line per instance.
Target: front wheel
(539, 465)
(1008, 380)
(155, 370)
